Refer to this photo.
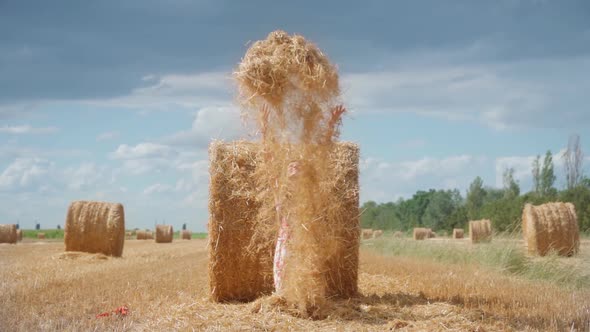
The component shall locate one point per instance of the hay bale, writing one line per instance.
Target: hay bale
(41, 236)
(431, 234)
(237, 275)
(141, 235)
(186, 235)
(398, 234)
(458, 233)
(149, 235)
(164, 233)
(95, 227)
(551, 226)
(8, 234)
(480, 231)
(421, 233)
(377, 233)
(19, 235)
(367, 233)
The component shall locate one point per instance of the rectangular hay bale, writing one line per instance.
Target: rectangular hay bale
(235, 274)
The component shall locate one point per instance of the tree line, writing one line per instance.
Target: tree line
(443, 210)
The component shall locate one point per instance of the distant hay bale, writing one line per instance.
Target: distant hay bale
(149, 235)
(458, 233)
(8, 234)
(141, 235)
(41, 236)
(95, 227)
(367, 233)
(19, 235)
(237, 275)
(421, 233)
(480, 231)
(128, 235)
(431, 234)
(377, 233)
(551, 226)
(398, 234)
(164, 233)
(186, 235)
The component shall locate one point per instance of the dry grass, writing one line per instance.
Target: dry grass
(45, 290)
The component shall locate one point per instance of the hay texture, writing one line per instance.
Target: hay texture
(421, 233)
(377, 233)
(164, 233)
(19, 235)
(551, 227)
(95, 227)
(141, 235)
(8, 234)
(458, 233)
(480, 231)
(186, 235)
(149, 235)
(241, 234)
(431, 234)
(367, 234)
(398, 234)
(41, 236)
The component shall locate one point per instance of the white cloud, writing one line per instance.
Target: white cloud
(157, 188)
(109, 135)
(84, 177)
(501, 96)
(143, 150)
(26, 174)
(27, 129)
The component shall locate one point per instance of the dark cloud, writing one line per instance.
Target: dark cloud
(74, 49)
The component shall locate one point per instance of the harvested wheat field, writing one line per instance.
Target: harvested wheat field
(44, 288)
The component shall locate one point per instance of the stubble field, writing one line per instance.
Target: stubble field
(165, 287)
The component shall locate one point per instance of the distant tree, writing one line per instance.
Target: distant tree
(537, 175)
(38, 226)
(17, 225)
(511, 187)
(548, 176)
(573, 160)
(475, 198)
(440, 207)
(184, 227)
(58, 226)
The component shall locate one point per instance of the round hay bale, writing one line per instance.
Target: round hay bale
(367, 233)
(141, 235)
(149, 235)
(398, 234)
(8, 233)
(19, 235)
(186, 235)
(41, 236)
(551, 227)
(377, 233)
(164, 233)
(480, 231)
(421, 233)
(95, 227)
(458, 233)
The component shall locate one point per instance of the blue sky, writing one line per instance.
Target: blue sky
(118, 101)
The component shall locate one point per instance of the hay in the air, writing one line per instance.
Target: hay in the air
(95, 227)
(8, 234)
(19, 235)
(480, 231)
(164, 233)
(421, 233)
(186, 234)
(377, 233)
(367, 233)
(458, 233)
(291, 90)
(141, 235)
(551, 227)
(236, 224)
(398, 234)
(41, 236)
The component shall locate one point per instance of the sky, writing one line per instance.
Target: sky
(118, 100)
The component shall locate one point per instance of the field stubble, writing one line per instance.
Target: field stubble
(165, 288)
